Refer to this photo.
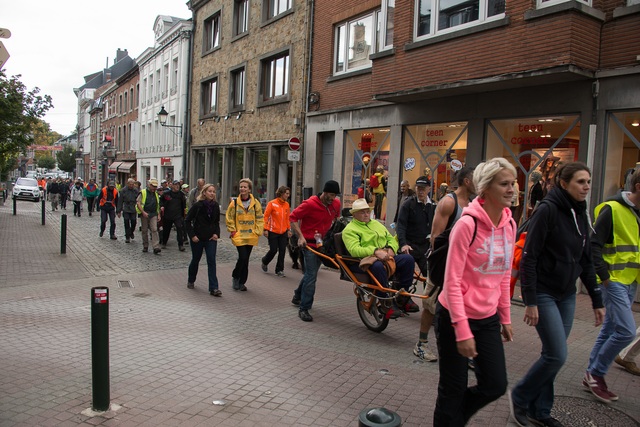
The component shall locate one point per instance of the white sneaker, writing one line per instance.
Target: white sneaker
(422, 351)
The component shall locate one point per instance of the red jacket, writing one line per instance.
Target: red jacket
(315, 216)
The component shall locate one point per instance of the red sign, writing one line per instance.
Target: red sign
(165, 161)
(294, 144)
(100, 296)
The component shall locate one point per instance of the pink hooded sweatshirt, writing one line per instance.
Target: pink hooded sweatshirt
(477, 275)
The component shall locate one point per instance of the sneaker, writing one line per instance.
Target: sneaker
(295, 301)
(264, 267)
(191, 285)
(305, 316)
(518, 414)
(216, 293)
(113, 237)
(394, 312)
(235, 284)
(127, 240)
(597, 386)
(422, 352)
(550, 422)
(242, 288)
(157, 251)
(612, 395)
(411, 307)
(630, 367)
(280, 274)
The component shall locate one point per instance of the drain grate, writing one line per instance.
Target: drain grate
(125, 284)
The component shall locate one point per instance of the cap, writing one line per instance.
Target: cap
(111, 184)
(163, 181)
(153, 182)
(175, 181)
(359, 205)
(185, 186)
(423, 181)
(331, 186)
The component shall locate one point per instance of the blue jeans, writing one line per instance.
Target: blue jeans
(535, 389)
(307, 287)
(210, 247)
(618, 329)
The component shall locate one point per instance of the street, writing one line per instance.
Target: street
(183, 357)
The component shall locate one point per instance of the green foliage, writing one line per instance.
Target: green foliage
(67, 159)
(46, 161)
(20, 112)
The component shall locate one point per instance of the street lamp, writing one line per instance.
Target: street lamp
(162, 117)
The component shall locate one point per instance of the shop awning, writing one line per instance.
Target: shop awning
(126, 166)
(113, 167)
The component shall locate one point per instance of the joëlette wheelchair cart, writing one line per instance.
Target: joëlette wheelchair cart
(373, 300)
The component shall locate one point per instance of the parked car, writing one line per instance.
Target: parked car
(26, 189)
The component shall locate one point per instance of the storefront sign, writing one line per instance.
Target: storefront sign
(530, 139)
(165, 161)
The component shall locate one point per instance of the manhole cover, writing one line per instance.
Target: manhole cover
(141, 295)
(125, 284)
(578, 412)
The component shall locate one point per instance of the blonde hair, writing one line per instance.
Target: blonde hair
(485, 172)
(248, 182)
(201, 193)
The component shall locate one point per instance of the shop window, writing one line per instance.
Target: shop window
(623, 150)
(364, 151)
(355, 40)
(436, 16)
(534, 144)
(211, 33)
(437, 151)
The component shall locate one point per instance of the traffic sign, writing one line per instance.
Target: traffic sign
(4, 55)
(293, 156)
(294, 143)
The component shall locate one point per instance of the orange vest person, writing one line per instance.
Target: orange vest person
(108, 202)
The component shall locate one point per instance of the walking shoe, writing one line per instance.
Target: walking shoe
(191, 285)
(630, 367)
(264, 267)
(145, 249)
(113, 237)
(518, 414)
(545, 422)
(411, 307)
(295, 301)
(181, 248)
(422, 351)
(89, 213)
(235, 283)
(101, 233)
(156, 251)
(131, 235)
(305, 316)
(611, 394)
(242, 288)
(393, 312)
(280, 274)
(164, 246)
(597, 386)
(216, 293)
(127, 240)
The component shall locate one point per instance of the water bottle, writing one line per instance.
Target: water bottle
(318, 237)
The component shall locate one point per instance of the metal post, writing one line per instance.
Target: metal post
(100, 348)
(63, 234)
(14, 205)
(43, 203)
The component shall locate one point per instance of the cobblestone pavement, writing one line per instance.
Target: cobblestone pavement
(182, 357)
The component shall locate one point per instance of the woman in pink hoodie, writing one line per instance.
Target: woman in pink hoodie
(473, 312)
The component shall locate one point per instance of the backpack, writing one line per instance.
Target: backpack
(373, 181)
(437, 258)
(328, 242)
(518, 249)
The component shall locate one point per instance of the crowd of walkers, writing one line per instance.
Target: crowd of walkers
(470, 306)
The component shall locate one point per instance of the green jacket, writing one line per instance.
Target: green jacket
(363, 238)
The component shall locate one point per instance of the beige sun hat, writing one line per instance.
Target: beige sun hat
(359, 205)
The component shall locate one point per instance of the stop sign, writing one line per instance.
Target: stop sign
(294, 144)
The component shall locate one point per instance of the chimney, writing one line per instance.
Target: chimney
(121, 54)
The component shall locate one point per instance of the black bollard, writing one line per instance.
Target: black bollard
(43, 203)
(100, 348)
(63, 234)
(14, 205)
(379, 417)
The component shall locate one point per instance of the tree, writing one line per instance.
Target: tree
(20, 111)
(47, 162)
(67, 159)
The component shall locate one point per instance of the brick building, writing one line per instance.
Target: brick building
(422, 87)
(248, 92)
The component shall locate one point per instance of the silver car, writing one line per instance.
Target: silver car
(26, 189)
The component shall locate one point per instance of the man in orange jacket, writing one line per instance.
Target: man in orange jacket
(277, 229)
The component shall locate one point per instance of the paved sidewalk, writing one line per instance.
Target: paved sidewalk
(175, 351)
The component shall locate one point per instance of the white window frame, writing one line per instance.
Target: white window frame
(274, 8)
(542, 3)
(211, 36)
(275, 77)
(341, 45)
(435, 9)
(385, 21)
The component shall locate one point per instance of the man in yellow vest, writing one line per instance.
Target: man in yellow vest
(616, 257)
(148, 207)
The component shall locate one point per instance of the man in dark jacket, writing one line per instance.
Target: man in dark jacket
(173, 204)
(127, 208)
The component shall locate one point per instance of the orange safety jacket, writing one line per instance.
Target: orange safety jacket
(517, 257)
(103, 197)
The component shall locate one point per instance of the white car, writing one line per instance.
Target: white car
(26, 189)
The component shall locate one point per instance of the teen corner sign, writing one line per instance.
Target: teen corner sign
(294, 150)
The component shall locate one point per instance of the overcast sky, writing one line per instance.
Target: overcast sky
(55, 43)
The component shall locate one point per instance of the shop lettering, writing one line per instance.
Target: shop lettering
(529, 140)
(434, 143)
(530, 128)
(429, 132)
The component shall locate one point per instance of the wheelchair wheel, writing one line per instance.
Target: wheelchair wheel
(369, 311)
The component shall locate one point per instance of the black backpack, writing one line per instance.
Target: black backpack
(437, 258)
(328, 242)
